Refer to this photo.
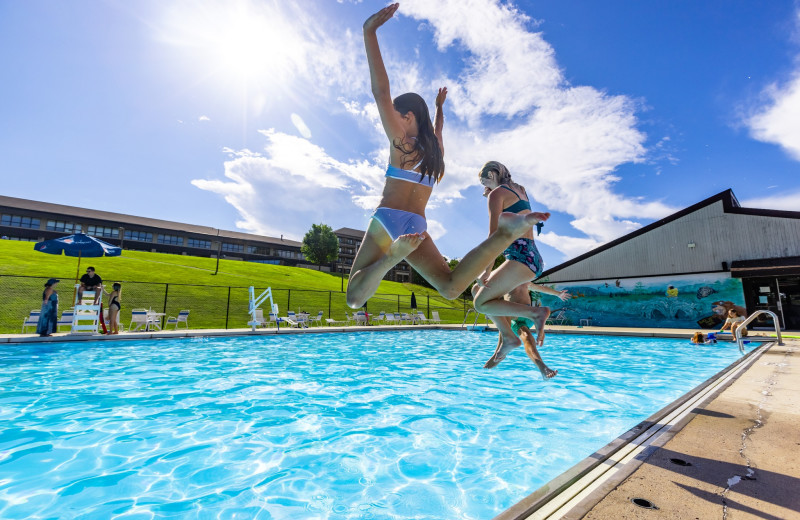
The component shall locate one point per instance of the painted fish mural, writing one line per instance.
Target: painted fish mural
(705, 292)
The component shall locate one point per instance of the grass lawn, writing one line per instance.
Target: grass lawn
(169, 283)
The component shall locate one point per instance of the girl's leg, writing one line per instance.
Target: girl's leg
(112, 319)
(521, 295)
(526, 336)
(489, 300)
(507, 341)
(377, 254)
(428, 261)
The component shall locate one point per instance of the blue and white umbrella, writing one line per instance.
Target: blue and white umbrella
(79, 245)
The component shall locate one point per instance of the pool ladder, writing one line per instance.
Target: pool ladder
(474, 325)
(738, 334)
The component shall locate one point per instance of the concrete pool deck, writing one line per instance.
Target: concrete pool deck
(741, 438)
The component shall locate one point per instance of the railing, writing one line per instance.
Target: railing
(477, 317)
(738, 332)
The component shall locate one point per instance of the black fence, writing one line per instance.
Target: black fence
(211, 306)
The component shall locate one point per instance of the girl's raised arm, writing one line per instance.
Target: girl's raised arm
(438, 120)
(377, 72)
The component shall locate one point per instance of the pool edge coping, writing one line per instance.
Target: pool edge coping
(528, 507)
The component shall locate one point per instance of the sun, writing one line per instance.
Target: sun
(239, 41)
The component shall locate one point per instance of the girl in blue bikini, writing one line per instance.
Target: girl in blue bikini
(523, 264)
(398, 228)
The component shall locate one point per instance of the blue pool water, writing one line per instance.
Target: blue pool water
(381, 425)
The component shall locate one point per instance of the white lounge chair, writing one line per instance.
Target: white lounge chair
(316, 320)
(140, 319)
(183, 317)
(435, 317)
(293, 320)
(66, 319)
(390, 319)
(379, 318)
(361, 318)
(32, 320)
(421, 317)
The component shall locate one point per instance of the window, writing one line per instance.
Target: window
(63, 227)
(195, 242)
(233, 248)
(255, 250)
(139, 236)
(100, 231)
(172, 240)
(19, 221)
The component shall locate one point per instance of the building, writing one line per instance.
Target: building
(688, 269)
(350, 241)
(22, 219)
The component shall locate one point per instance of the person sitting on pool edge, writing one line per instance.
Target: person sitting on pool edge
(733, 322)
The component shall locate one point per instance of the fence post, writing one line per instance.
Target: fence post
(398, 303)
(329, 303)
(429, 306)
(289, 301)
(164, 317)
(228, 307)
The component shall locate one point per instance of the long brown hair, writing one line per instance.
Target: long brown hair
(425, 149)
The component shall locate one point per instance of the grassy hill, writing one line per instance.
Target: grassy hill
(169, 283)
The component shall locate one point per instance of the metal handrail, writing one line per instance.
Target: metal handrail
(477, 317)
(738, 333)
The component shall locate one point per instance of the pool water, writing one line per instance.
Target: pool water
(381, 425)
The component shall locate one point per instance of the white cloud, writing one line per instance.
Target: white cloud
(511, 101)
(204, 118)
(787, 202)
(776, 120)
(301, 126)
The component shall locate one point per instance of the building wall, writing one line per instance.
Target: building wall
(694, 301)
(717, 237)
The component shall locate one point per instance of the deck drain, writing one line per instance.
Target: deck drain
(643, 503)
(680, 462)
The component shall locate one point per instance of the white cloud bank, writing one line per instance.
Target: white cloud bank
(511, 102)
(786, 202)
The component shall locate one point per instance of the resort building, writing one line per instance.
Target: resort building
(350, 241)
(688, 269)
(34, 221)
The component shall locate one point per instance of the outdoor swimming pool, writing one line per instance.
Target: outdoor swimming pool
(382, 425)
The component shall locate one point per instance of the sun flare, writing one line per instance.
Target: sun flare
(237, 41)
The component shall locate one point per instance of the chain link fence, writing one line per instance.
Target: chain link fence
(210, 306)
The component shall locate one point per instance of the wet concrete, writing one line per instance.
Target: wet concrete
(743, 449)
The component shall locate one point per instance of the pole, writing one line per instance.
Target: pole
(341, 269)
(164, 317)
(330, 293)
(219, 252)
(77, 272)
(429, 306)
(228, 307)
(289, 301)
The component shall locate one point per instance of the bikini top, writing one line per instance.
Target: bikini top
(410, 176)
(518, 206)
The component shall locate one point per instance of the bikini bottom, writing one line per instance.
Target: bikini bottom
(397, 222)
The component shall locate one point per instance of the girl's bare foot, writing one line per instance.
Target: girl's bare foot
(502, 351)
(547, 373)
(516, 225)
(404, 245)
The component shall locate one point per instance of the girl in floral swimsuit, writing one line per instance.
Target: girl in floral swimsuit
(523, 263)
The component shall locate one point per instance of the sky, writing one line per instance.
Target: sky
(257, 115)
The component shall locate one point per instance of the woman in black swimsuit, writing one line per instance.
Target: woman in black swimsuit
(113, 309)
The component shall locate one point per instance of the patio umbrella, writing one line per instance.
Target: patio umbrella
(79, 245)
(413, 301)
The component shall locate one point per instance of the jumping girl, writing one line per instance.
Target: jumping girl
(523, 263)
(398, 228)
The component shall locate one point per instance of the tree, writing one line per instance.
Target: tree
(320, 245)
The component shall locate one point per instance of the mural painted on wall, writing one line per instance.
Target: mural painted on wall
(689, 301)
